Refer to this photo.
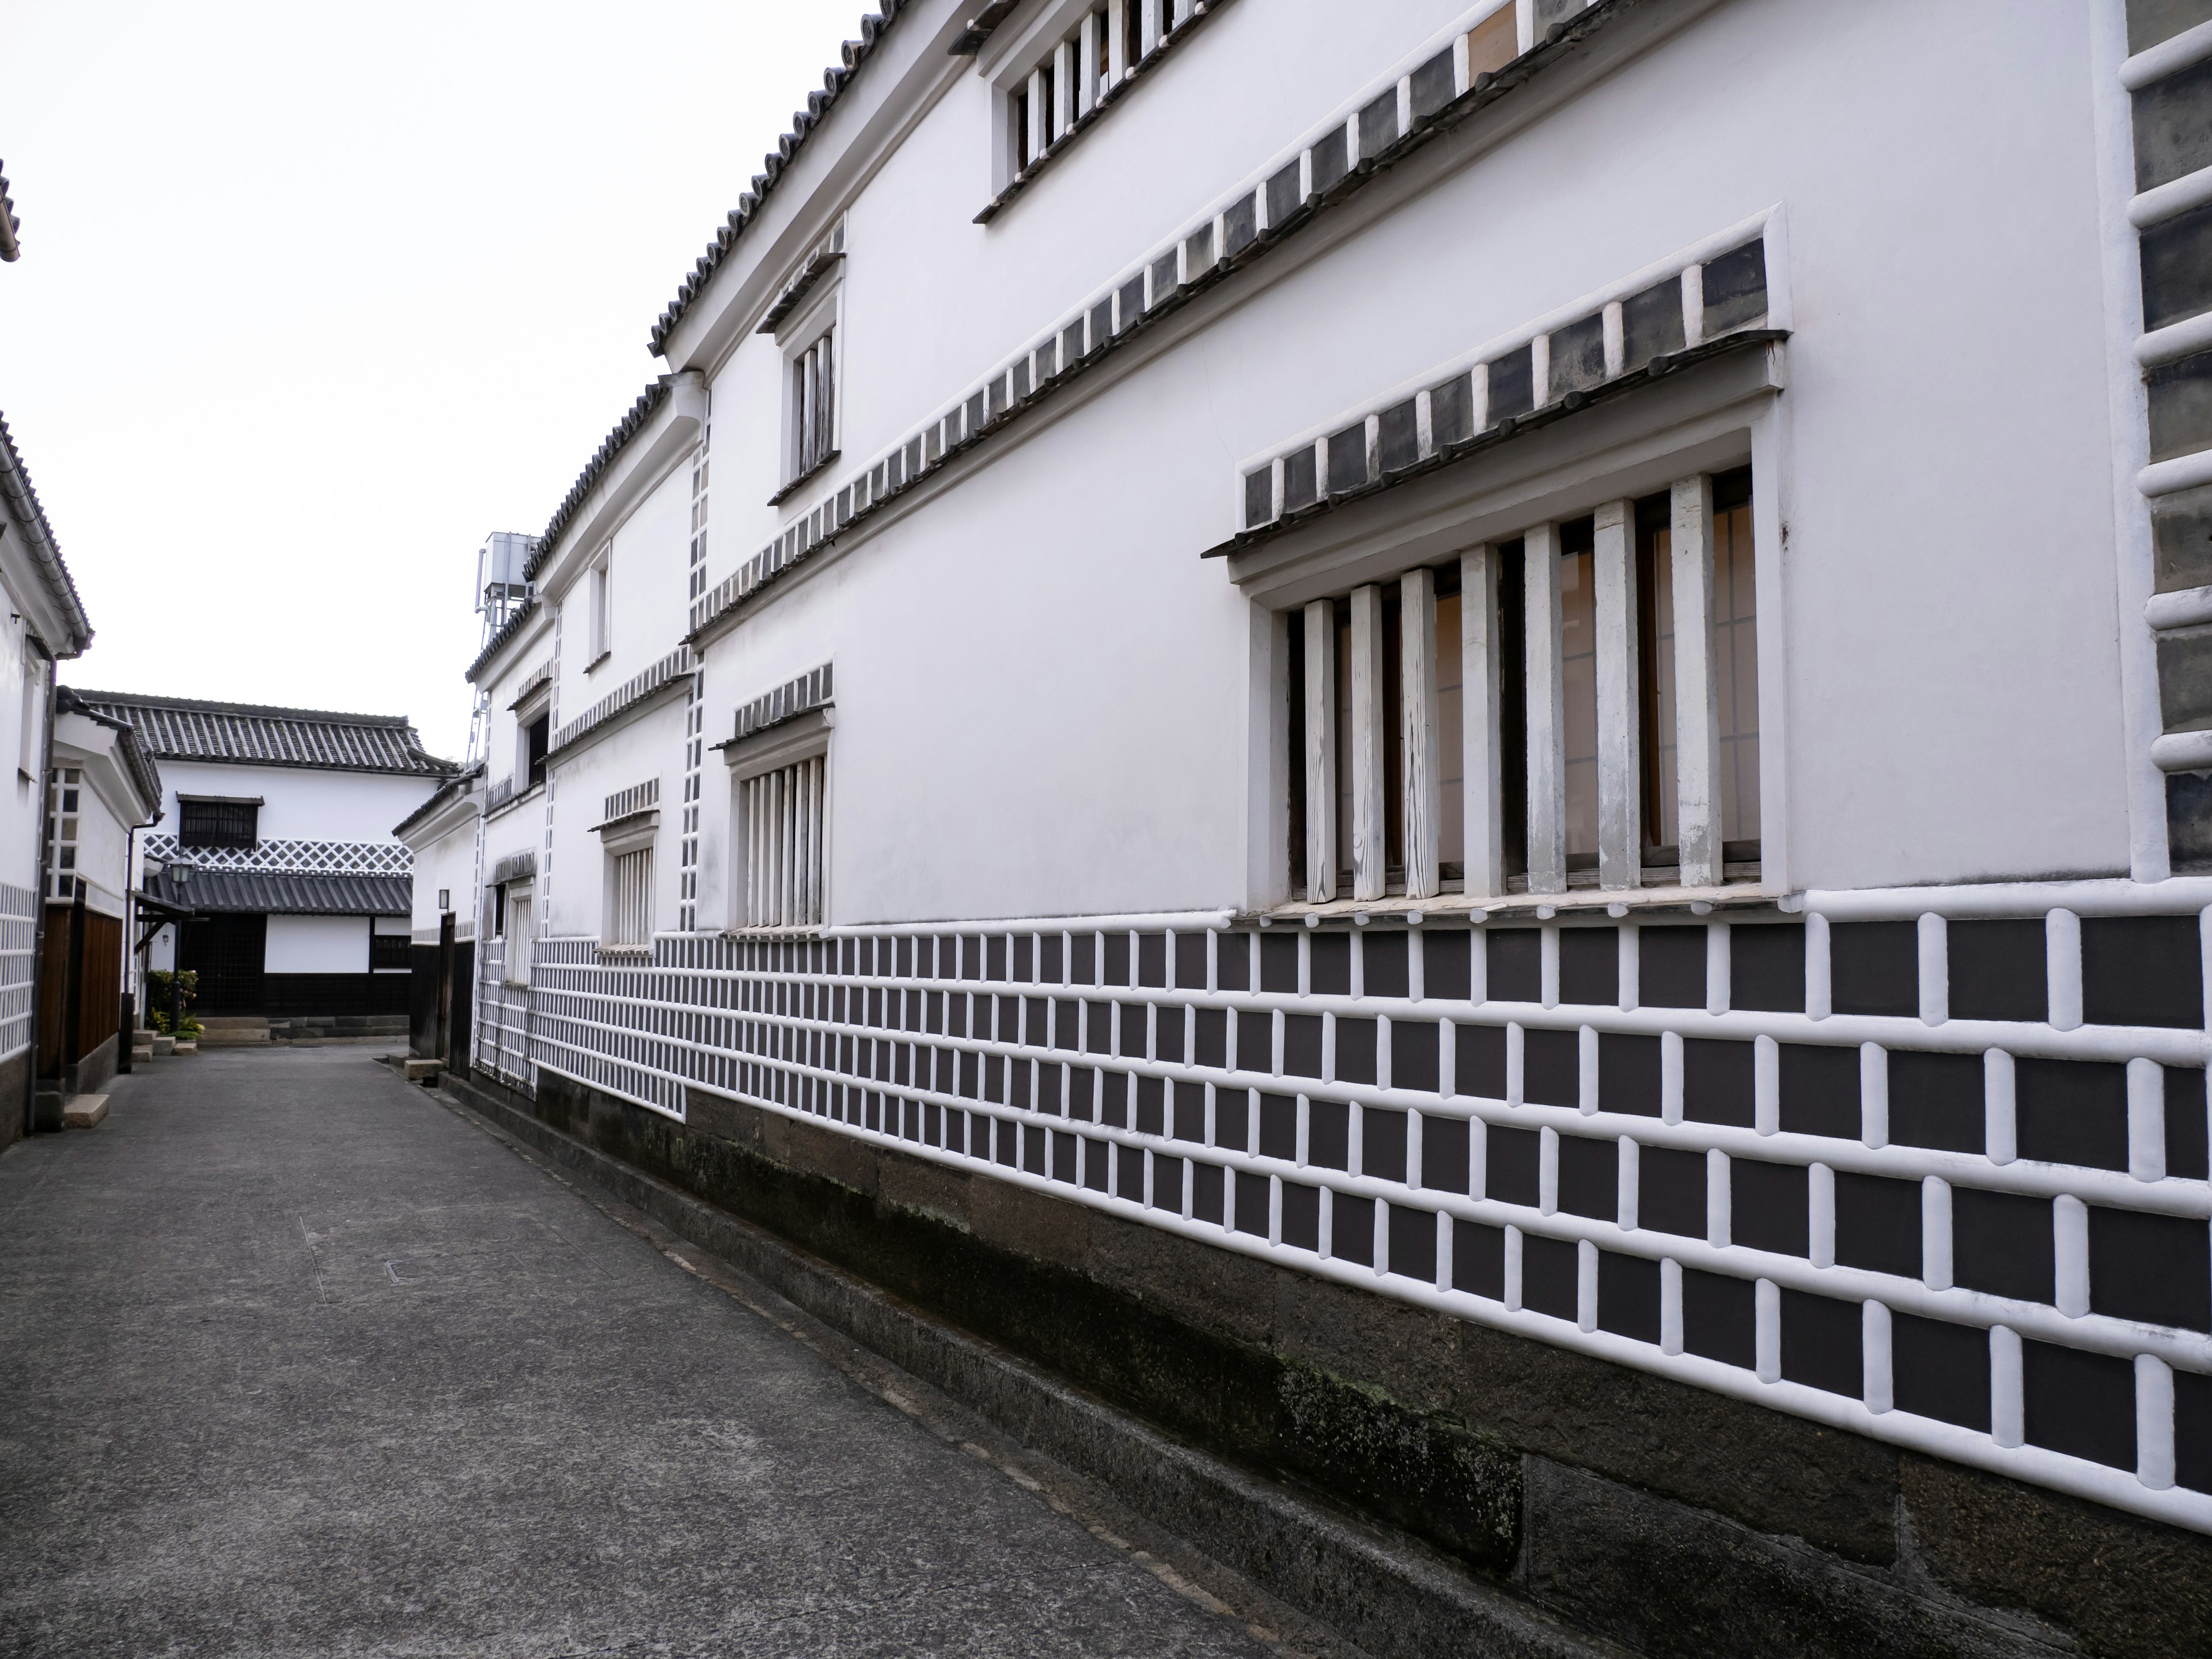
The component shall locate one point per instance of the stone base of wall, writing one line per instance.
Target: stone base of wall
(95, 1071)
(1649, 1514)
(15, 1099)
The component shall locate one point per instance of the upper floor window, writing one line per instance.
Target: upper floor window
(599, 585)
(810, 404)
(217, 822)
(533, 737)
(1068, 82)
(30, 728)
(1577, 705)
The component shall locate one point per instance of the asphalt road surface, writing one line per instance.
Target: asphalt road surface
(296, 1359)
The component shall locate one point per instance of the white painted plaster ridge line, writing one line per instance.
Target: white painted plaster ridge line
(2183, 472)
(2184, 609)
(2175, 340)
(2168, 57)
(2098, 896)
(2166, 201)
(2182, 751)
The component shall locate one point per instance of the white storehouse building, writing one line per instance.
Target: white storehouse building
(277, 836)
(45, 625)
(83, 788)
(1469, 747)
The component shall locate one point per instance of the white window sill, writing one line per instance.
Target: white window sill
(596, 662)
(1741, 890)
(804, 479)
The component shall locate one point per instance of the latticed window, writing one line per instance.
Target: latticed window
(814, 405)
(67, 787)
(1596, 678)
(515, 920)
(218, 822)
(783, 813)
(629, 899)
(1070, 81)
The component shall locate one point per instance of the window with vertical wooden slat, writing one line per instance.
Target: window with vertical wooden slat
(783, 815)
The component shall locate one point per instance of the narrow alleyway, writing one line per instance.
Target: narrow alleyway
(297, 1360)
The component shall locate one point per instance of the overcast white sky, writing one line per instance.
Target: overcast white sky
(311, 298)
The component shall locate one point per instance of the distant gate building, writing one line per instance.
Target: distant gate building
(1469, 750)
(276, 834)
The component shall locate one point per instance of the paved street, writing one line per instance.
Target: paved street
(296, 1360)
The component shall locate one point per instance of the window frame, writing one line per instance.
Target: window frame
(1046, 65)
(634, 837)
(1707, 419)
(599, 608)
(821, 318)
(517, 898)
(806, 738)
(196, 839)
(1379, 805)
(531, 762)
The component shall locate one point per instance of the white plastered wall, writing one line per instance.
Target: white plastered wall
(446, 865)
(1042, 691)
(316, 945)
(302, 803)
(650, 746)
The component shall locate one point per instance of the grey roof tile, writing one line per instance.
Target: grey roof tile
(254, 734)
(834, 82)
(24, 504)
(224, 891)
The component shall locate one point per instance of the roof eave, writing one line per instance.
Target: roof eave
(29, 517)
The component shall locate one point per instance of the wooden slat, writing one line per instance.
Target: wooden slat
(1416, 707)
(1480, 772)
(1370, 852)
(1320, 751)
(1697, 686)
(1620, 791)
(1548, 759)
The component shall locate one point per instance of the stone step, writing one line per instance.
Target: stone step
(234, 1033)
(84, 1111)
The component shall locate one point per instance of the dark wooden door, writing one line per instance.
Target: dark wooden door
(445, 1042)
(227, 952)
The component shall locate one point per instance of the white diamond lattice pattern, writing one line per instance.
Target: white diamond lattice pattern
(292, 858)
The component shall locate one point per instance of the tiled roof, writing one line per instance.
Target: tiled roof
(626, 428)
(251, 734)
(834, 80)
(10, 226)
(291, 895)
(507, 630)
(143, 773)
(23, 503)
(459, 784)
